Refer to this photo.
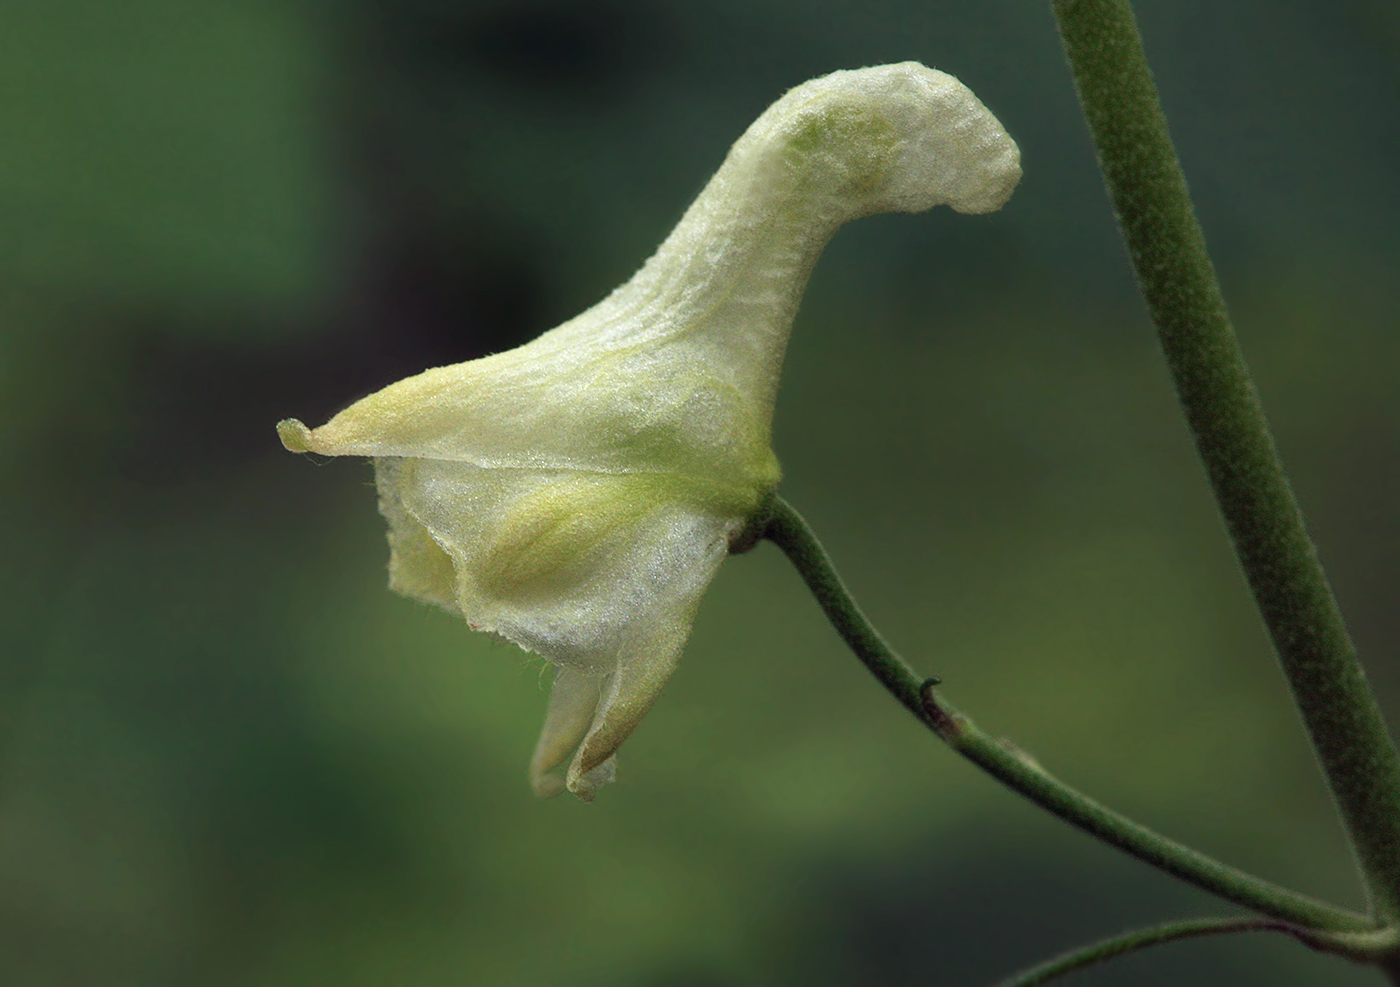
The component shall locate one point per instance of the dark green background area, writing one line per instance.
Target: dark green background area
(228, 756)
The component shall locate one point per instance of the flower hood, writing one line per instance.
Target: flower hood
(577, 494)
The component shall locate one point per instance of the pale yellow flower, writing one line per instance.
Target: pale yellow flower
(576, 495)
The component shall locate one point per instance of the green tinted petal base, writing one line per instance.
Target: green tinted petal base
(577, 495)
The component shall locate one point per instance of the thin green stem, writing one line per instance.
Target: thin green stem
(791, 533)
(1021, 773)
(1362, 946)
(1223, 411)
(1131, 942)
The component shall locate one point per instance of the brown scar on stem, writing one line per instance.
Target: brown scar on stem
(949, 725)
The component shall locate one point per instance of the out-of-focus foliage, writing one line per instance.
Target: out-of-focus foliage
(164, 154)
(229, 756)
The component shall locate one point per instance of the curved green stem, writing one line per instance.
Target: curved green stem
(1178, 281)
(1360, 946)
(1131, 942)
(787, 529)
(1021, 773)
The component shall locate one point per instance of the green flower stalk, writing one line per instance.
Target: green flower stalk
(1232, 435)
(577, 495)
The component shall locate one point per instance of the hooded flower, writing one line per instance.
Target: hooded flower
(576, 495)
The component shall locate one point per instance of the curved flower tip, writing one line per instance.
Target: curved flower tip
(295, 436)
(576, 495)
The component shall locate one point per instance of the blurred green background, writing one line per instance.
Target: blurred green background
(229, 756)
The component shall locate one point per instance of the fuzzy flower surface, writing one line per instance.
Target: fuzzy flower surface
(577, 495)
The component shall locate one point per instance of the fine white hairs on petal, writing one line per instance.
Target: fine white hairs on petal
(576, 495)
(906, 138)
